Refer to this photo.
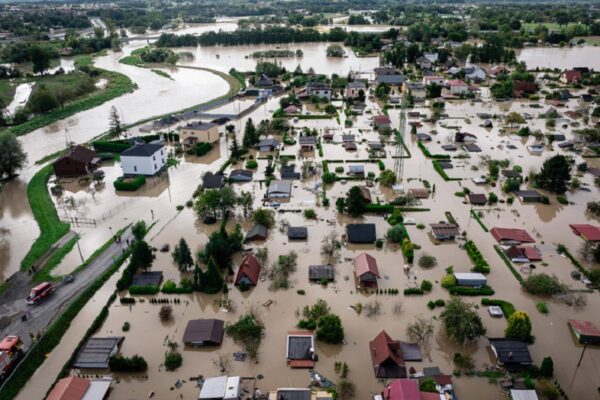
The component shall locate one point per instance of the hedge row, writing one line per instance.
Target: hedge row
(507, 308)
(131, 186)
(515, 273)
(414, 291)
(148, 289)
(479, 221)
(110, 147)
(438, 168)
(427, 154)
(481, 265)
(379, 208)
(471, 291)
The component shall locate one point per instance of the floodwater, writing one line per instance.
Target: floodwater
(548, 224)
(22, 93)
(561, 58)
(158, 201)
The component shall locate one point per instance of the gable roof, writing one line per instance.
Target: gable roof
(143, 150)
(511, 234)
(297, 232)
(366, 263)
(385, 352)
(70, 388)
(510, 351)
(445, 230)
(477, 198)
(204, 330)
(586, 231)
(213, 181)
(280, 186)
(361, 233)
(249, 267)
(403, 389)
(395, 79)
(199, 125)
(257, 231)
(241, 174)
(319, 272)
(382, 120)
(80, 154)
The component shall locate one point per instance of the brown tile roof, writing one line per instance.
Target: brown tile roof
(365, 263)
(81, 154)
(249, 267)
(209, 331)
(385, 350)
(515, 235)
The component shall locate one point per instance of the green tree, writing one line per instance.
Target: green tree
(518, 326)
(250, 136)
(543, 284)
(461, 322)
(554, 175)
(264, 217)
(40, 58)
(212, 280)
(547, 367)
(330, 329)
(114, 119)
(355, 202)
(395, 234)
(235, 150)
(12, 156)
(183, 256)
(218, 248)
(173, 360)
(246, 201)
(141, 256)
(208, 204)
(139, 230)
(248, 330)
(42, 101)
(387, 178)
(513, 118)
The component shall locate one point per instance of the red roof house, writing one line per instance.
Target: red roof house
(522, 87)
(403, 389)
(71, 388)
(248, 272)
(585, 331)
(586, 231)
(571, 76)
(511, 235)
(387, 358)
(518, 254)
(365, 267)
(382, 121)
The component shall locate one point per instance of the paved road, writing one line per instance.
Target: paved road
(13, 305)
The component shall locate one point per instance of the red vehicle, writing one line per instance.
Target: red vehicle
(10, 352)
(39, 292)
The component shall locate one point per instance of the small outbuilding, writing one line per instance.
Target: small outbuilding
(300, 349)
(365, 268)
(585, 331)
(213, 181)
(444, 231)
(279, 189)
(241, 175)
(510, 353)
(319, 273)
(221, 388)
(96, 352)
(204, 332)
(148, 278)
(472, 279)
(78, 161)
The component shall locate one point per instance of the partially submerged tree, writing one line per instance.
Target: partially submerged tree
(461, 322)
(142, 255)
(248, 330)
(518, 326)
(12, 156)
(182, 256)
(331, 247)
(554, 175)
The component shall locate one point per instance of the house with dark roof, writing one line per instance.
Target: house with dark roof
(361, 233)
(511, 354)
(297, 232)
(319, 273)
(365, 268)
(307, 143)
(147, 278)
(264, 81)
(477, 199)
(528, 196)
(144, 159)
(319, 89)
(288, 172)
(444, 231)
(386, 356)
(204, 332)
(248, 272)
(471, 148)
(257, 232)
(510, 173)
(348, 138)
(78, 161)
(522, 88)
(96, 352)
(300, 349)
(267, 145)
(241, 175)
(395, 80)
(213, 181)
(511, 236)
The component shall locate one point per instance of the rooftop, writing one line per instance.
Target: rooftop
(143, 150)
(204, 331)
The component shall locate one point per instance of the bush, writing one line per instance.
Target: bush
(427, 261)
(481, 265)
(328, 178)
(330, 330)
(448, 281)
(396, 234)
(129, 185)
(428, 384)
(542, 307)
(518, 326)
(339, 169)
(440, 303)
(426, 286)
(414, 291)
(173, 360)
(543, 284)
(431, 304)
(562, 199)
(127, 364)
(170, 287)
(471, 291)
(396, 217)
(202, 148)
(310, 213)
(251, 164)
(110, 147)
(547, 367)
(143, 289)
(126, 326)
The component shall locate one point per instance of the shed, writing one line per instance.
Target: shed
(478, 199)
(204, 332)
(387, 357)
(96, 352)
(213, 181)
(365, 267)
(300, 349)
(510, 353)
(473, 279)
(248, 272)
(317, 273)
(267, 145)
(257, 232)
(288, 172)
(294, 394)
(78, 161)
(444, 231)
(585, 331)
(149, 278)
(297, 232)
(418, 193)
(472, 148)
(361, 233)
(241, 175)
(356, 170)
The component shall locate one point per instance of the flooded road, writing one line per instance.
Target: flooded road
(22, 93)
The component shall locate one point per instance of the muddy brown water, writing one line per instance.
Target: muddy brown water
(549, 224)
(562, 58)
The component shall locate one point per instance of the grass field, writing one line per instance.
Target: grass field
(530, 26)
(7, 91)
(45, 274)
(51, 228)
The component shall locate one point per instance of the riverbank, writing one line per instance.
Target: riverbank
(117, 85)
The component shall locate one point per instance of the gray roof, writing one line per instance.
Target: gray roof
(241, 175)
(199, 125)
(361, 233)
(293, 394)
(150, 278)
(307, 140)
(143, 150)
(204, 331)
(281, 186)
(318, 272)
(213, 181)
(530, 194)
(391, 79)
(268, 143)
(257, 231)
(297, 232)
(510, 351)
(96, 352)
(357, 85)
(289, 172)
(299, 347)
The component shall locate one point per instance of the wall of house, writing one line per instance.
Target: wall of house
(203, 136)
(144, 165)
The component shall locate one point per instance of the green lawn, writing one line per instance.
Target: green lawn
(7, 91)
(45, 273)
(530, 26)
(51, 228)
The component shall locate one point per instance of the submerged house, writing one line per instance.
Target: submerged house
(444, 231)
(97, 351)
(204, 332)
(365, 268)
(386, 356)
(587, 232)
(300, 349)
(297, 232)
(257, 232)
(519, 254)
(248, 272)
(78, 161)
(361, 233)
(471, 279)
(511, 236)
(198, 132)
(221, 388)
(510, 353)
(319, 273)
(76, 388)
(279, 189)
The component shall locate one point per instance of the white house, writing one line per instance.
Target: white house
(144, 159)
(457, 87)
(431, 79)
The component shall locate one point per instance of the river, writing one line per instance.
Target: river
(561, 58)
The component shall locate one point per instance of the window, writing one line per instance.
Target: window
(155, 166)
(153, 158)
(135, 168)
